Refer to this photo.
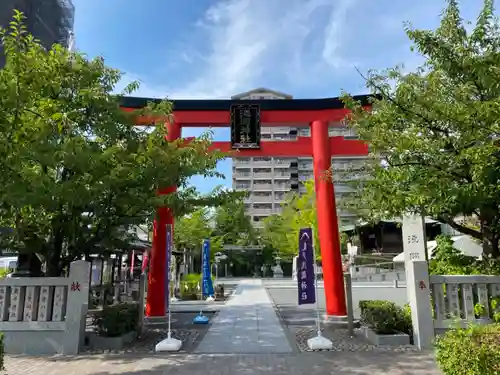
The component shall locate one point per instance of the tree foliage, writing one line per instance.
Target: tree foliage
(446, 260)
(192, 229)
(434, 133)
(281, 231)
(226, 225)
(232, 226)
(75, 171)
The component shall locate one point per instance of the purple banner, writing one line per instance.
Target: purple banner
(168, 259)
(305, 268)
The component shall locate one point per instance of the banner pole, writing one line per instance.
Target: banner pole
(205, 273)
(201, 281)
(169, 260)
(318, 315)
(319, 342)
(168, 344)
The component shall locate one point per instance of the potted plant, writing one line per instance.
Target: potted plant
(116, 326)
(385, 323)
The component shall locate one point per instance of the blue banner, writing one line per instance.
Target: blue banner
(168, 260)
(207, 288)
(305, 268)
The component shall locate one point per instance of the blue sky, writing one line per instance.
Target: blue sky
(217, 48)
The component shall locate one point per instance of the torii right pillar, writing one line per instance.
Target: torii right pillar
(328, 228)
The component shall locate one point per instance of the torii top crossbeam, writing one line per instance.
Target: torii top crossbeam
(245, 118)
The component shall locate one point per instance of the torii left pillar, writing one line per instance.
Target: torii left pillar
(328, 228)
(157, 298)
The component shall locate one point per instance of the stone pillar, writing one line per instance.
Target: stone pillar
(294, 268)
(418, 292)
(277, 270)
(76, 307)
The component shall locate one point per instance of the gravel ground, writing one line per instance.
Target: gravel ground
(301, 325)
(342, 342)
(182, 329)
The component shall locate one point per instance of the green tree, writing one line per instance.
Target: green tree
(434, 133)
(192, 229)
(75, 171)
(232, 226)
(281, 232)
(189, 233)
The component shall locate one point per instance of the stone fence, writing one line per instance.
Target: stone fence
(455, 297)
(440, 302)
(45, 315)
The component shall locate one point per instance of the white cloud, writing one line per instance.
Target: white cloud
(238, 45)
(145, 90)
(248, 39)
(333, 34)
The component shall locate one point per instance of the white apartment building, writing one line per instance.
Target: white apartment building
(270, 179)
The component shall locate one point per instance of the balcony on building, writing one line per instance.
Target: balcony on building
(306, 176)
(242, 174)
(262, 185)
(240, 186)
(279, 196)
(282, 173)
(283, 162)
(262, 160)
(277, 208)
(262, 209)
(305, 165)
(263, 173)
(242, 162)
(282, 186)
(261, 196)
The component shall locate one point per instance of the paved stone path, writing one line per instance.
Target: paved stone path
(248, 324)
(334, 363)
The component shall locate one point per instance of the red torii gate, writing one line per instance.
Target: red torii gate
(319, 114)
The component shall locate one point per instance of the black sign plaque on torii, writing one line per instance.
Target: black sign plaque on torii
(245, 126)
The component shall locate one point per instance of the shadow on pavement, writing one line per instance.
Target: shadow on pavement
(299, 364)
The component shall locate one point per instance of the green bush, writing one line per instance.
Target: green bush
(117, 320)
(4, 272)
(192, 278)
(470, 351)
(384, 317)
(190, 287)
(494, 305)
(405, 324)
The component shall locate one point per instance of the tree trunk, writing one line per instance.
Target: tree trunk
(490, 238)
(494, 248)
(29, 263)
(54, 264)
(54, 261)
